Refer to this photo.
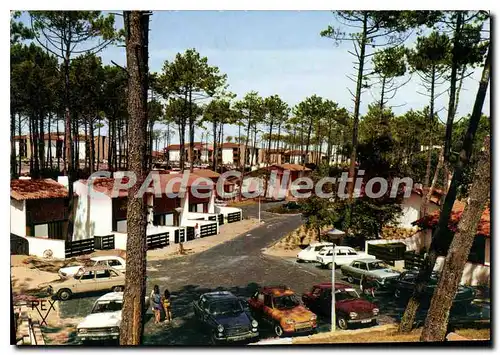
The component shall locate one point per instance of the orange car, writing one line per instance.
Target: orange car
(281, 308)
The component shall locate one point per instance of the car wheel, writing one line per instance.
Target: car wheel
(117, 289)
(350, 279)
(342, 323)
(330, 266)
(397, 293)
(64, 294)
(300, 260)
(278, 330)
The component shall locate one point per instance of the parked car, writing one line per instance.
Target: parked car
(376, 269)
(88, 279)
(404, 284)
(343, 256)
(350, 308)
(115, 262)
(282, 309)
(311, 252)
(225, 317)
(104, 320)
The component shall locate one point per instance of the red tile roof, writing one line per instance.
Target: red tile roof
(432, 220)
(197, 145)
(437, 194)
(293, 167)
(230, 145)
(105, 185)
(21, 189)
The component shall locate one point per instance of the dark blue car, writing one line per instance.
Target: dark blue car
(225, 317)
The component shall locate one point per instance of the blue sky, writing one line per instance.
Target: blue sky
(276, 52)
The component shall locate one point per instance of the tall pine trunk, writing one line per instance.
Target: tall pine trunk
(442, 227)
(436, 323)
(357, 103)
(132, 326)
(425, 189)
(13, 167)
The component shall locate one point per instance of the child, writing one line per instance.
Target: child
(156, 303)
(368, 285)
(167, 306)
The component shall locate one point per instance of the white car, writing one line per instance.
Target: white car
(343, 256)
(104, 320)
(312, 251)
(115, 262)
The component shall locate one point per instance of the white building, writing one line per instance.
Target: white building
(39, 214)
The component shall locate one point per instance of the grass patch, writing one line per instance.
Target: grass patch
(381, 336)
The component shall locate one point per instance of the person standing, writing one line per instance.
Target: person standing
(156, 303)
(167, 306)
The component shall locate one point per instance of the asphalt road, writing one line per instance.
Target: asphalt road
(238, 266)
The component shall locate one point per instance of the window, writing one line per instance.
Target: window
(102, 274)
(268, 301)
(355, 264)
(101, 263)
(114, 262)
(87, 276)
(362, 266)
(318, 248)
(477, 251)
(341, 252)
(409, 278)
(352, 252)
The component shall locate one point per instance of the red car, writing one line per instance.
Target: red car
(350, 308)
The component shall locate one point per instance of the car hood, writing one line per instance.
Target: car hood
(298, 314)
(384, 273)
(102, 320)
(357, 305)
(232, 320)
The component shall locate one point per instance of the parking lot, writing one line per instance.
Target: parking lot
(240, 267)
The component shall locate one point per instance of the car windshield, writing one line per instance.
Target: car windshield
(107, 306)
(378, 265)
(346, 294)
(286, 302)
(225, 307)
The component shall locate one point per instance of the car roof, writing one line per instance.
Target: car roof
(111, 296)
(366, 260)
(210, 296)
(338, 285)
(96, 268)
(319, 244)
(103, 257)
(279, 290)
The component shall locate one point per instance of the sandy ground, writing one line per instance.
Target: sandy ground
(227, 232)
(282, 253)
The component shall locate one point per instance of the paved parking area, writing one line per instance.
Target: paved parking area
(237, 265)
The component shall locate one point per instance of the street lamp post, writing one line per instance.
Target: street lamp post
(334, 320)
(259, 209)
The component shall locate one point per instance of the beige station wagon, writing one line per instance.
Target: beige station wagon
(88, 279)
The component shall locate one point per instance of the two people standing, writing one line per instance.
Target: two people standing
(161, 303)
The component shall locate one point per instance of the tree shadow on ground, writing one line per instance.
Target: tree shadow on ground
(185, 328)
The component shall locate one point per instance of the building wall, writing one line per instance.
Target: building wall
(411, 210)
(18, 217)
(97, 221)
(227, 156)
(38, 246)
(174, 155)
